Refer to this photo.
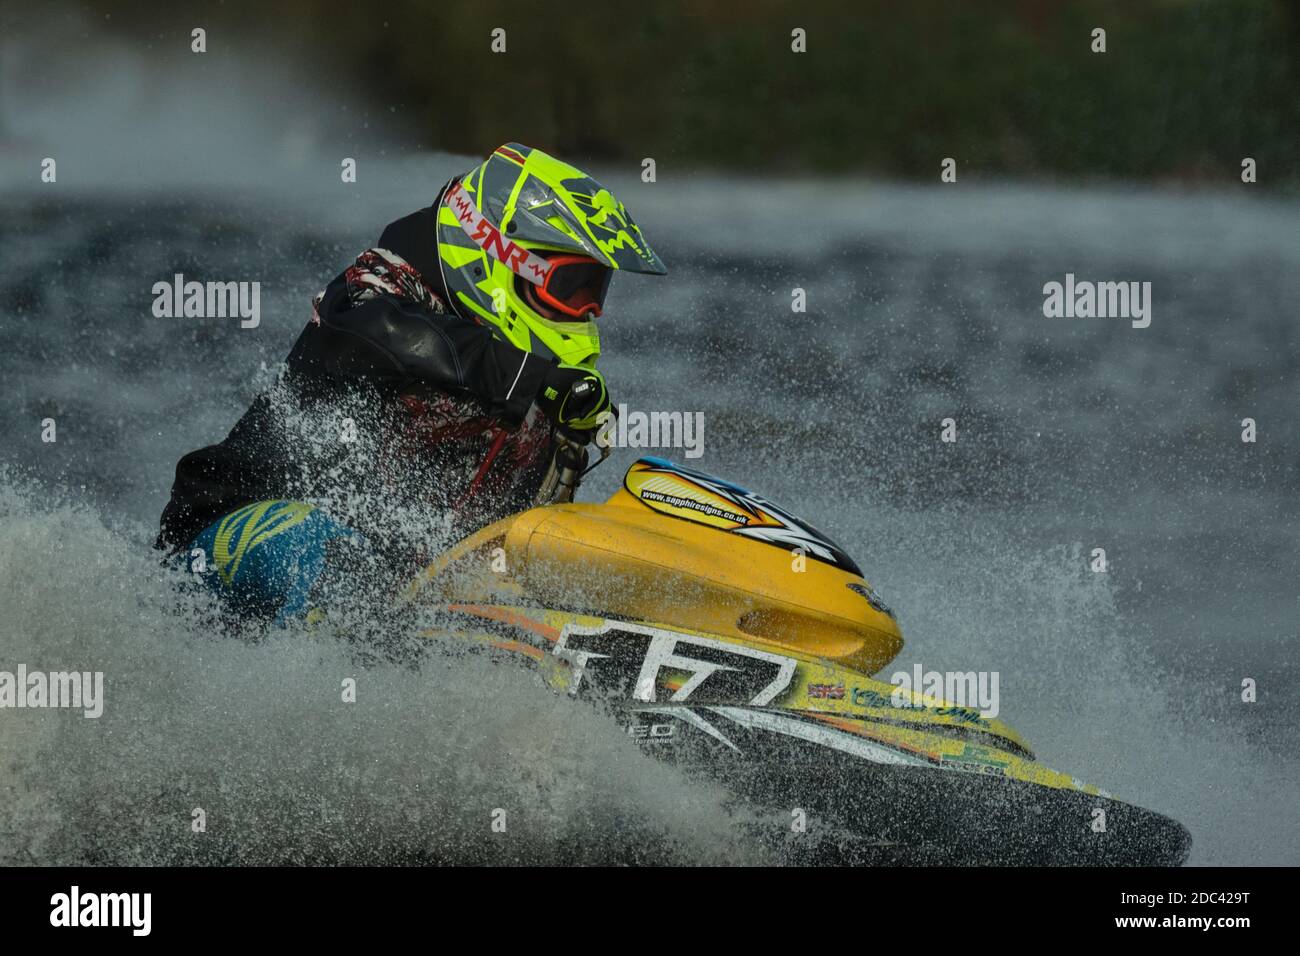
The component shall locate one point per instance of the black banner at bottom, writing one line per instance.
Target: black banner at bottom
(113, 906)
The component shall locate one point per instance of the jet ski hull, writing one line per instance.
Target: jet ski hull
(820, 756)
(839, 807)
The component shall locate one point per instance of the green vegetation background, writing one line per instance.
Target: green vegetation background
(1186, 89)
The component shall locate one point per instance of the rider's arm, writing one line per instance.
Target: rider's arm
(389, 341)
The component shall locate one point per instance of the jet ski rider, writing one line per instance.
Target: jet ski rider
(432, 375)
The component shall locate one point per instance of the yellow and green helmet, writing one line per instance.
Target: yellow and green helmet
(529, 244)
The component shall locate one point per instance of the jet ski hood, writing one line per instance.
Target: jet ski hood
(680, 492)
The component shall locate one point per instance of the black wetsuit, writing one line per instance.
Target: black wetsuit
(435, 395)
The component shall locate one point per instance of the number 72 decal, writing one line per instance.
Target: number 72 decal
(625, 660)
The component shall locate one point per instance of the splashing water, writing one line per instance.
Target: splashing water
(258, 737)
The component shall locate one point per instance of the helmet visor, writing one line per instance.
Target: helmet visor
(575, 286)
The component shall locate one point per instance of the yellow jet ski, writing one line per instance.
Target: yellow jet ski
(734, 640)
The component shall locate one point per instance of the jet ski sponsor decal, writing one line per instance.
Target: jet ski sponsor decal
(635, 661)
(790, 726)
(868, 592)
(652, 496)
(866, 697)
(652, 732)
(977, 759)
(691, 495)
(488, 237)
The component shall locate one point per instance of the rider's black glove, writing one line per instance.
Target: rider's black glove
(574, 397)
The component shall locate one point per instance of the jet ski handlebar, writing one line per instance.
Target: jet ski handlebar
(568, 466)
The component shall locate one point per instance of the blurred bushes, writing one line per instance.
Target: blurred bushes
(1186, 89)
